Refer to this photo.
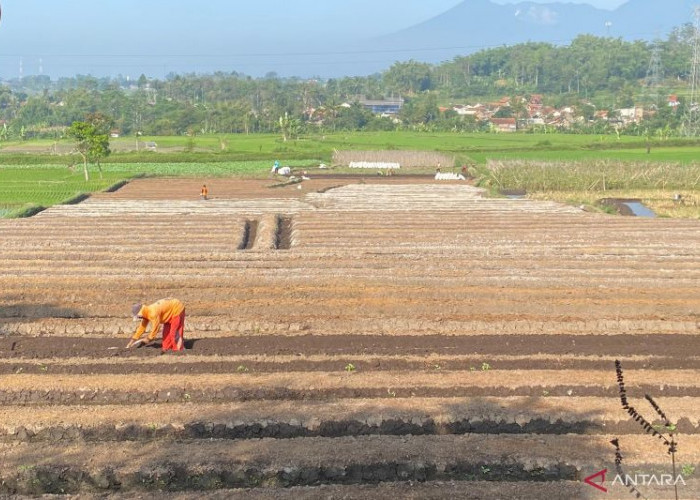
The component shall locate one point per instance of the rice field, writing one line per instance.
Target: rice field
(24, 189)
(657, 185)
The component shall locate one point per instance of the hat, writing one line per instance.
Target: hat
(135, 310)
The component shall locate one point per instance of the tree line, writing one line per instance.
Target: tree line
(590, 73)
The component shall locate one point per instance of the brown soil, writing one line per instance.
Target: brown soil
(249, 233)
(668, 346)
(548, 415)
(412, 331)
(316, 461)
(283, 233)
(227, 188)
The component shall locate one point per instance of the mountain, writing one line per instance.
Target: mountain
(304, 38)
(479, 24)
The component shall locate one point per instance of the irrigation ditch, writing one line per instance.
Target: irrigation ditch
(283, 232)
(249, 233)
(627, 206)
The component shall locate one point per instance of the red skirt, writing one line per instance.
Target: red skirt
(173, 333)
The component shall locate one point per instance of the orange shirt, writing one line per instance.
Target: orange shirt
(158, 313)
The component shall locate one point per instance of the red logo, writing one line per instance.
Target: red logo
(589, 480)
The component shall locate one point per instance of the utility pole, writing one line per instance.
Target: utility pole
(652, 82)
(691, 123)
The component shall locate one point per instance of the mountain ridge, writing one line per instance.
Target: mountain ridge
(473, 25)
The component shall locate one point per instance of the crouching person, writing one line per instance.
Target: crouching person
(168, 312)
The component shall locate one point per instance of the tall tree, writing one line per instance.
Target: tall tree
(82, 134)
(91, 140)
(409, 77)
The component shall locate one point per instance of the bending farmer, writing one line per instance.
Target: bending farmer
(168, 312)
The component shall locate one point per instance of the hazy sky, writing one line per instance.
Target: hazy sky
(601, 4)
(88, 36)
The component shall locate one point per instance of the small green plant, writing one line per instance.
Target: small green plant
(391, 393)
(242, 369)
(687, 470)
(472, 369)
(545, 393)
(350, 368)
(485, 367)
(187, 397)
(664, 427)
(43, 368)
(485, 470)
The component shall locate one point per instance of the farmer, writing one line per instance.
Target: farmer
(168, 312)
(204, 192)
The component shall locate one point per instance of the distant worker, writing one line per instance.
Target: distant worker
(275, 167)
(204, 193)
(168, 312)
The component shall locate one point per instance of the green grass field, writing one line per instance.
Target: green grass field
(683, 155)
(477, 147)
(24, 188)
(34, 174)
(473, 148)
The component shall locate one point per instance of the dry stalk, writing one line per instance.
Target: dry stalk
(669, 441)
(620, 471)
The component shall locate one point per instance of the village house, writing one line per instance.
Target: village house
(535, 105)
(503, 124)
(631, 115)
(673, 101)
(384, 107)
(478, 111)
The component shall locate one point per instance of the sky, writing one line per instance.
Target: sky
(44, 33)
(601, 4)
(68, 37)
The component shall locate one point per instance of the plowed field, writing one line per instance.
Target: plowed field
(346, 338)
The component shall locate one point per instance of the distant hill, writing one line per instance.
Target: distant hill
(302, 38)
(478, 24)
